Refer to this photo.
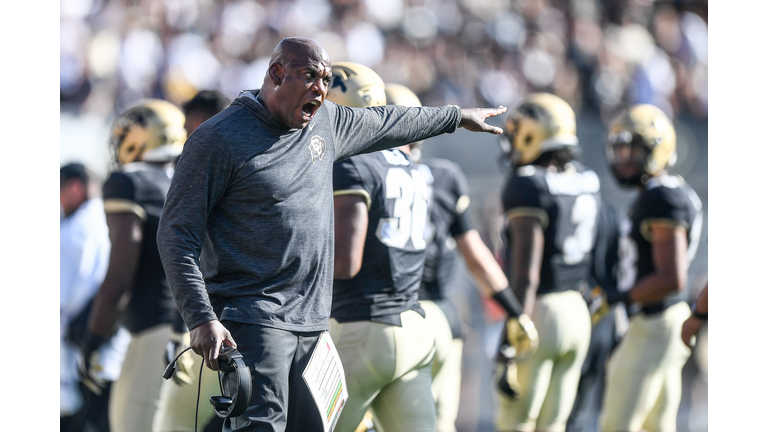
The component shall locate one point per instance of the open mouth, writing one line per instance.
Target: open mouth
(309, 109)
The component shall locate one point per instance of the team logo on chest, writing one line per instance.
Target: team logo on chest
(316, 148)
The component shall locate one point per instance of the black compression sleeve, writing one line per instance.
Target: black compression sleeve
(506, 299)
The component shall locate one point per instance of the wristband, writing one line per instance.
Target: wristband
(699, 315)
(619, 297)
(508, 302)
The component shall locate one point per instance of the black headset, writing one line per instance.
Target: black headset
(234, 382)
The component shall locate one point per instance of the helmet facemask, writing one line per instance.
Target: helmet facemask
(628, 156)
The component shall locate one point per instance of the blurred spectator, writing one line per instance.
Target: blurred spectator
(602, 54)
(84, 252)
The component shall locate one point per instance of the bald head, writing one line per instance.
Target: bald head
(297, 81)
(298, 49)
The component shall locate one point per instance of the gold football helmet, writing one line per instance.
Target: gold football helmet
(640, 144)
(398, 94)
(356, 86)
(152, 131)
(542, 122)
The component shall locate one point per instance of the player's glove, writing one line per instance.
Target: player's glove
(89, 363)
(506, 377)
(519, 341)
(522, 337)
(176, 344)
(597, 302)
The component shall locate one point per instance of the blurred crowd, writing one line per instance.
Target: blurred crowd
(597, 53)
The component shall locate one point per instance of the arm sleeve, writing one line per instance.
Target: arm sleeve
(522, 198)
(200, 180)
(348, 181)
(664, 205)
(462, 222)
(365, 130)
(119, 195)
(118, 187)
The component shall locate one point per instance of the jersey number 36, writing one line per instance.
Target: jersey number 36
(409, 217)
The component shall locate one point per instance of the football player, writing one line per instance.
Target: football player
(644, 382)
(551, 203)
(145, 140)
(377, 324)
(450, 220)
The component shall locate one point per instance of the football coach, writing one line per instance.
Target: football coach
(246, 235)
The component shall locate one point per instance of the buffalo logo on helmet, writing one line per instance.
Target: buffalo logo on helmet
(355, 85)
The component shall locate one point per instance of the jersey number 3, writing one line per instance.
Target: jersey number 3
(409, 219)
(583, 217)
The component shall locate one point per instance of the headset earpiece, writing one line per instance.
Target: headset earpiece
(235, 383)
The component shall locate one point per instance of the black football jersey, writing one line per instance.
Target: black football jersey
(141, 188)
(448, 218)
(567, 204)
(393, 255)
(666, 199)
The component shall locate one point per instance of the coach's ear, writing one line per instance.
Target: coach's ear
(276, 73)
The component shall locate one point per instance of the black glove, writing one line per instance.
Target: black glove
(89, 363)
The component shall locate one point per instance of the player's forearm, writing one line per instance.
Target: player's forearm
(109, 304)
(702, 302)
(655, 287)
(481, 263)
(527, 286)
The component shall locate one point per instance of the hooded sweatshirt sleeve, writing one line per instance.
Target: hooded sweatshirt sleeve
(201, 178)
(366, 130)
